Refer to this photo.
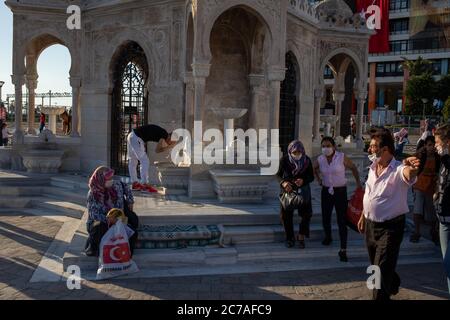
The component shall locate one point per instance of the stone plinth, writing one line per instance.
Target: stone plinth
(42, 161)
(170, 176)
(240, 186)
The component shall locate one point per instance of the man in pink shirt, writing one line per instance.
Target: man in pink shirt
(385, 206)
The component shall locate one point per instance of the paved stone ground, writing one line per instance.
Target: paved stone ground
(24, 240)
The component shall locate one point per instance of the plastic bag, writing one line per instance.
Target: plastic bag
(115, 255)
(355, 209)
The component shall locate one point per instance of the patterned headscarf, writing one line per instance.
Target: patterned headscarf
(298, 165)
(106, 196)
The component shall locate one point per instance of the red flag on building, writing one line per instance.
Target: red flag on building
(379, 42)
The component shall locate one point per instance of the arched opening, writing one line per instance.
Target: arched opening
(237, 43)
(340, 76)
(289, 102)
(47, 86)
(129, 100)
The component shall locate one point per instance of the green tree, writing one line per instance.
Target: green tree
(442, 88)
(418, 67)
(446, 110)
(418, 88)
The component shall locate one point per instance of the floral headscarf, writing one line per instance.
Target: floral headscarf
(106, 196)
(299, 165)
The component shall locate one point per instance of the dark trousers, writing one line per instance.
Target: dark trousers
(287, 219)
(340, 203)
(383, 240)
(96, 232)
(41, 127)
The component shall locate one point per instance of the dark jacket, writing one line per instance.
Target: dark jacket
(422, 155)
(442, 196)
(307, 174)
(286, 168)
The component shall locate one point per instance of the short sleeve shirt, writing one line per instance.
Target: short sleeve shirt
(386, 196)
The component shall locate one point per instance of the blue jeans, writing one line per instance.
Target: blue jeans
(444, 231)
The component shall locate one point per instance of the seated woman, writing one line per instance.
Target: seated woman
(105, 194)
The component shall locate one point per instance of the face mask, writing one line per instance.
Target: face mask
(297, 158)
(327, 151)
(109, 184)
(442, 151)
(372, 157)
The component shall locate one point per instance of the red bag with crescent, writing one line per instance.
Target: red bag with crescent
(115, 255)
(355, 209)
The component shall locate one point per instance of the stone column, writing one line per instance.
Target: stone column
(31, 82)
(18, 81)
(318, 95)
(338, 98)
(362, 96)
(256, 82)
(189, 103)
(200, 73)
(75, 83)
(276, 75)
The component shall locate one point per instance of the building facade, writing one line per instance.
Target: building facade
(174, 62)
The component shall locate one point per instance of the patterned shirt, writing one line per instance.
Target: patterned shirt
(98, 211)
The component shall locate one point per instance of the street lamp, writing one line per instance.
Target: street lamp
(1, 85)
(425, 101)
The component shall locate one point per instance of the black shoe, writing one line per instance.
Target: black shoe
(289, 244)
(327, 241)
(91, 252)
(343, 256)
(301, 244)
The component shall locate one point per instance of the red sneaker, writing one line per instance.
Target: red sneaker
(137, 186)
(149, 188)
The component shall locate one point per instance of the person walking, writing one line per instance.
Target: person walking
(136, 152)
(385, 207)
(401, 139)
(41, 122)
(329, 170)
(442, 196)
(296, 174)
(424, 189)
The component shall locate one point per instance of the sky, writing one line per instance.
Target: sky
(53, 64)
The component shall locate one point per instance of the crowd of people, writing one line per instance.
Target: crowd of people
(385, 202)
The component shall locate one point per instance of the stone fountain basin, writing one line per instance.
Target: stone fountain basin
(42, 160)
(240, 185)
(229, 113)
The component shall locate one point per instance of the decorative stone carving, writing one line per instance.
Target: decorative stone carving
(240, 186)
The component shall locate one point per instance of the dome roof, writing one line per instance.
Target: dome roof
(334, 8)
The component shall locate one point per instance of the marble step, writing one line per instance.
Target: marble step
(75, 196)
(255, 254)
(16, 202)
(21, 191)
(25, 181)
(51, 204)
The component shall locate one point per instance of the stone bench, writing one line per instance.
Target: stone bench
(240, 186)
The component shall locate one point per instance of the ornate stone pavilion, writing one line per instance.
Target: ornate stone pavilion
(173, 62)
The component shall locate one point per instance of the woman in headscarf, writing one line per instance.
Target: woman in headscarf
(106, 194)
(296, 172)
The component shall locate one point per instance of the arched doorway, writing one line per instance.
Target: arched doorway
(288, 103)
(129, 101)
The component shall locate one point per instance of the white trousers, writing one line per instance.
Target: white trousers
(136, 153)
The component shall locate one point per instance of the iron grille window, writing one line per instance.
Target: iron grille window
(129, 102)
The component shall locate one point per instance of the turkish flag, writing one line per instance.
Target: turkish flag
(379, 42)
(118, 253)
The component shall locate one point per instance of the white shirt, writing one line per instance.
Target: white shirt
(333, 174)
(386, 197)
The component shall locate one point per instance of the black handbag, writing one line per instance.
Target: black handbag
(291, 200)
(133, 220)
